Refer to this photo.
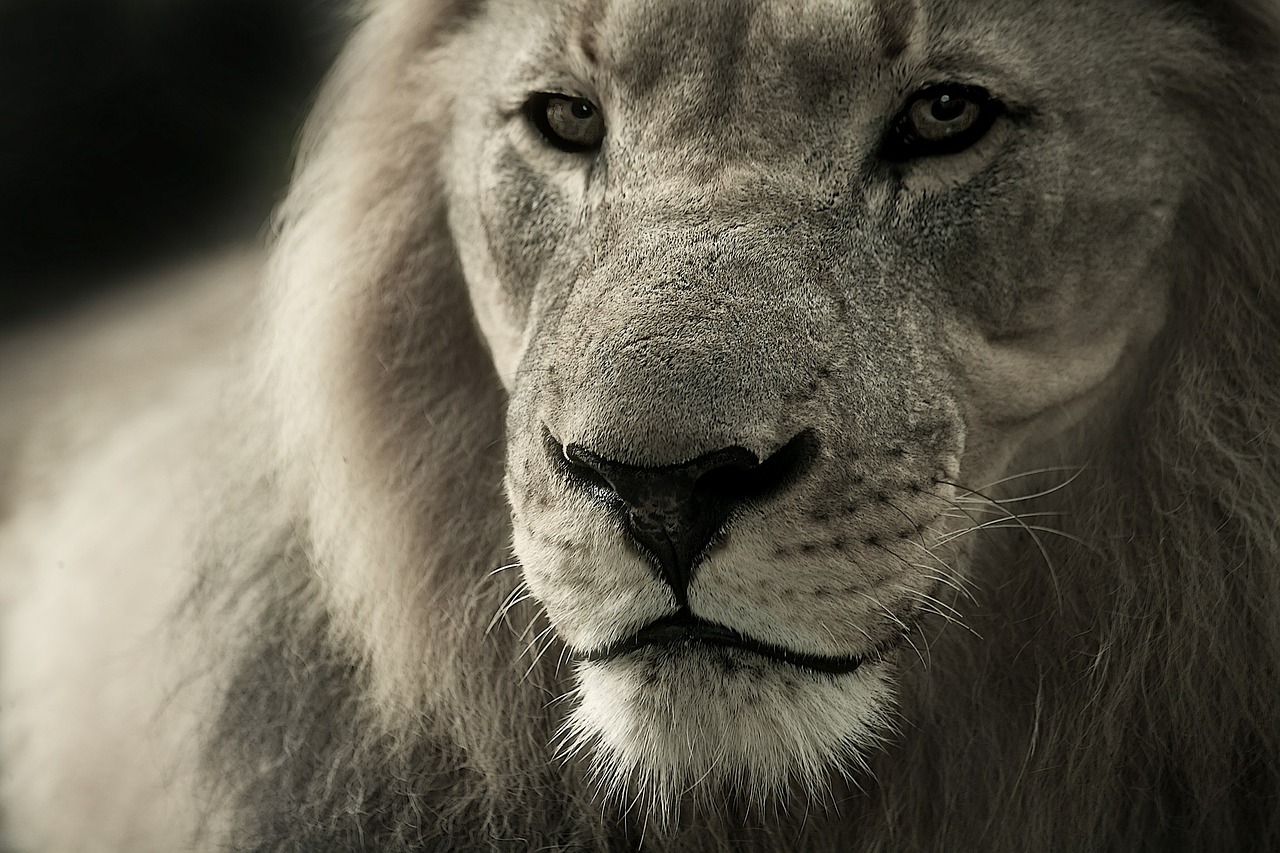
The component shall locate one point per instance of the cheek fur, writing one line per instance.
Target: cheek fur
(524, 220)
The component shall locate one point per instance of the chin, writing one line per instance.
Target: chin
(667, 722)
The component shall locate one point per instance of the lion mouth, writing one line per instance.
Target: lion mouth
(686, 630)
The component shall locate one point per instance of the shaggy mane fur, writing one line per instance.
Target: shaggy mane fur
(1119, 689)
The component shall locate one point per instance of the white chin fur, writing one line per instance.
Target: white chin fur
(664, 725)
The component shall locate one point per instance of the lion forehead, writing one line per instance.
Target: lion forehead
(813, 42)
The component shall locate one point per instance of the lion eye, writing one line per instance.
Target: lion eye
(570, 124)
(941, 119)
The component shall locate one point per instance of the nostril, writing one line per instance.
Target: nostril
(675, 511)
(581, 465)
(720, 471)
(761, 480)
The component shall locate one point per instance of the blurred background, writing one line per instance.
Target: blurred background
(133, 130)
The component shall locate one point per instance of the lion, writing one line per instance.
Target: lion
(670, 426)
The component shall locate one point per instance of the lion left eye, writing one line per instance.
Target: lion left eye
(941, 119)
(570, 124)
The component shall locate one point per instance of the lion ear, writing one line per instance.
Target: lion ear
(387, 405)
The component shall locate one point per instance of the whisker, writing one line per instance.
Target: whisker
(925, 658)
(924, 549)
(546, 646)
(967, 511)
(517, 595)
(1044, 552)
(949, 579)
(537, 639)
(911, 521)
(1075, 470)
(1010, 524)
(945, 611)
(1001, 523)
(1059, 487)
(942, 572)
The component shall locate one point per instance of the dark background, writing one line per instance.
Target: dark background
(135, 129)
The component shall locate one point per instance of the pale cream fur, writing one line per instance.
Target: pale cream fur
(89, 646)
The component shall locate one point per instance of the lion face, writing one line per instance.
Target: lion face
(771, 287)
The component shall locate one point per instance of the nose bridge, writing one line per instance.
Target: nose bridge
(690, 340)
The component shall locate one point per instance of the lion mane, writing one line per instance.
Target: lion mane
(376, 679)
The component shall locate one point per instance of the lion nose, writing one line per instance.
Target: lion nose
(675, 511)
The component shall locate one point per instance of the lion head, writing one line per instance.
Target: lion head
(764, 307)
(795, 320)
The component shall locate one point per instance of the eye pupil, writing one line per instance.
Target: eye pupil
(948, 108)
(582, 109)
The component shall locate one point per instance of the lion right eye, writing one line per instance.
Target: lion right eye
(941, 119)
(570, 124)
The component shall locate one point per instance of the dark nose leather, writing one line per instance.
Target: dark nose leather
(674, 512)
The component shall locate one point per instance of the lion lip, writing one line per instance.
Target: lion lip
(685, 629)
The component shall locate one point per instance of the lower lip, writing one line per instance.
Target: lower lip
(674, 637)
